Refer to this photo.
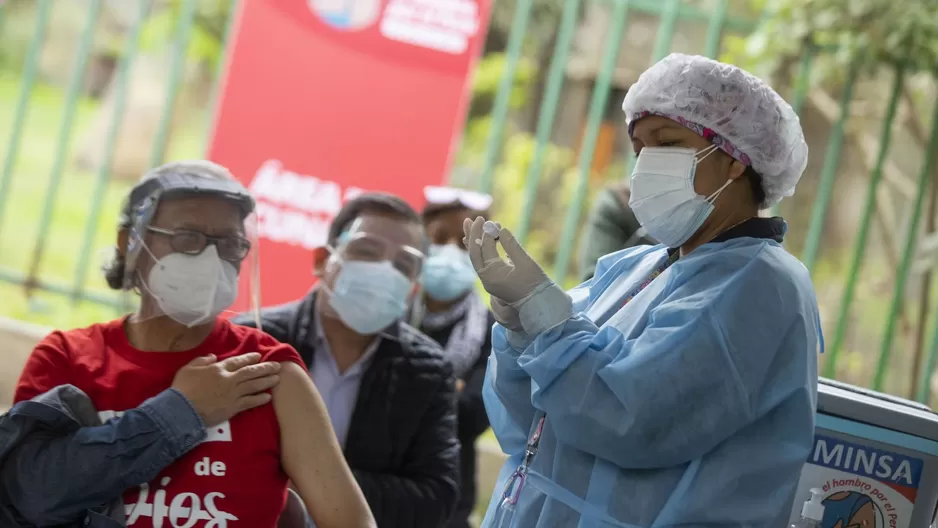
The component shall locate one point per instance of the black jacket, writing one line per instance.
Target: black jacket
(401, 443)
(473, 421)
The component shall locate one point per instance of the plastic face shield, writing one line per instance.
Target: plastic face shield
(369, 247)
(192, 247)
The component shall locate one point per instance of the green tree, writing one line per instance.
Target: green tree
(210, 20)
(873, 32)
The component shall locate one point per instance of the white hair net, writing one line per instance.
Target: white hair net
(735, 105)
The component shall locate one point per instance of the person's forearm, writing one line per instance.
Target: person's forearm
(54, 478)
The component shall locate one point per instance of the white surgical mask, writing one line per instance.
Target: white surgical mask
(369, 296)
(193, 289)
(662, 193)
(448, 273)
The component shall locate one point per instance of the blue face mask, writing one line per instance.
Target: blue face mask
(447, 273)
(369, 296)
(662, 194)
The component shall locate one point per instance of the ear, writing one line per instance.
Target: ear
(123, 237)
(320, 257)
(737, 169)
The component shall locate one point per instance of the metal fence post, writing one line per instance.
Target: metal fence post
(180, 43)
(110, 143)
(22, 102)
(902, 274)
(75, 85)
(493, 146)
(548, 109)
(866, 219)
(829, 172)
(594, 119)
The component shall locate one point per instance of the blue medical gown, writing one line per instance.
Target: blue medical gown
(691, 406)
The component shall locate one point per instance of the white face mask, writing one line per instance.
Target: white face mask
(662, 193)
(193, 289)
(448, 273)
(369, 296)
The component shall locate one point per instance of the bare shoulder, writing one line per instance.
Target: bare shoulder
(296, 392)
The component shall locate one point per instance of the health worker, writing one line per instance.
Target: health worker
(677, 387)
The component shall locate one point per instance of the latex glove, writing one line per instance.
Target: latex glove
(519, 282)
(508, 317)
(504, 313)
(511, 281)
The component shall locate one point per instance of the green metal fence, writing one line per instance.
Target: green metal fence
(73, 289)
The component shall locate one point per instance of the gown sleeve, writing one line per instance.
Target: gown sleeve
(506, 390)
(715, 353)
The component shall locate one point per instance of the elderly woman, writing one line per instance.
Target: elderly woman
(677, 387)
(193, 437)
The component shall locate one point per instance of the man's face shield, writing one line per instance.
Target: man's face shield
(367, 247)
(370, 276)
(192, 249)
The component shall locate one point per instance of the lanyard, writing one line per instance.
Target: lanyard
(513, 492)
(654, 275)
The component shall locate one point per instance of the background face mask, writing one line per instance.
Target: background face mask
(663, 197)
(369, 296)
(447, 273)
(193, 289)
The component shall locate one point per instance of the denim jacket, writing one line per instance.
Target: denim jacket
(60, 466)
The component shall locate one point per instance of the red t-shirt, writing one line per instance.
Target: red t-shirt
(233, 478)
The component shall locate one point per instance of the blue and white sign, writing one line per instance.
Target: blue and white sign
(862, 485)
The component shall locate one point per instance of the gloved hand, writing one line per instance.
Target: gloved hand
(520, 283)
(506, 315)
(511, 281)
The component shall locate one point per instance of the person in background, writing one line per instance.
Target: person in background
(206, 421)
(678, 386)
(611, 227)
(390, 393)
(454, 315)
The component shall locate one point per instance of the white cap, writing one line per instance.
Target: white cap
(734, 104)
(814, 509)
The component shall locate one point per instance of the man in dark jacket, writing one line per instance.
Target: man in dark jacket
(389, 391)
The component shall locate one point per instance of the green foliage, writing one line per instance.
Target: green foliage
(489, 73)
(875, 32)
(545, 16)
(206, 40)
(558, 175)
(558, 179)
(16, 30)
(486, 80)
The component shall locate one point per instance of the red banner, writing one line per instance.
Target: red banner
(323, 99)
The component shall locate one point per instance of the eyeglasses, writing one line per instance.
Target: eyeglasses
(232, 248)
(374, 248)
(472, 200)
